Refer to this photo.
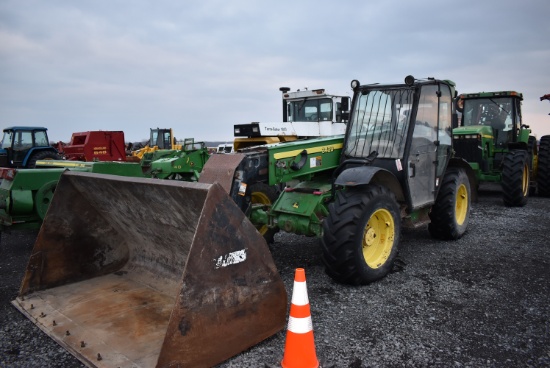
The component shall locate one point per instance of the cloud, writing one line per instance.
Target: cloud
(200, 67)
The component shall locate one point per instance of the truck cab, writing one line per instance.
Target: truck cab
(22, 146)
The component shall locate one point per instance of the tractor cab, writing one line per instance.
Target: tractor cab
(23, 146)
(315, 105)
(161, 138)
(404, 130)
(499, 112)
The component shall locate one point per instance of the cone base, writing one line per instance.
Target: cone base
(300, 351)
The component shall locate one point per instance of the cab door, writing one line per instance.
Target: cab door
(422, 161)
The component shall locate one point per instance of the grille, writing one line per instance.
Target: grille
(468, 149)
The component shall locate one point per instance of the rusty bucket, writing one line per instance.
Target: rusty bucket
(130, 272)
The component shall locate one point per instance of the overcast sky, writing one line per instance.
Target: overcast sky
(200, 67)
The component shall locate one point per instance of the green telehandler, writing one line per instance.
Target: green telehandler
(151, 271)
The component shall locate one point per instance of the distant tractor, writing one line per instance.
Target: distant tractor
(306, 114)
(159, 139)
(498, 146)
(22, 146)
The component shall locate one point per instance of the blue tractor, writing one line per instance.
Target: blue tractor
(22, 146)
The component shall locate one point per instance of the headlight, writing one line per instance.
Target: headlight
(237, 131)
(255, 130)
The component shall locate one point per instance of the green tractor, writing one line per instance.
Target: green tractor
(498, 146)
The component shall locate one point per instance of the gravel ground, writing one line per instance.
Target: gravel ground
(481, 301)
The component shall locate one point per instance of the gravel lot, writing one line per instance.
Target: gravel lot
(482, 301)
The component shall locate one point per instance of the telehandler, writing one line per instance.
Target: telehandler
(394, 166)
(145, 272)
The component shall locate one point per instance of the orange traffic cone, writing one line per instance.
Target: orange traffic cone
(300, 345)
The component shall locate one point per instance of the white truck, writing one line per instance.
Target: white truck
(306, 114)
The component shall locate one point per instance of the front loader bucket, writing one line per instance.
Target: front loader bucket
(133, 272)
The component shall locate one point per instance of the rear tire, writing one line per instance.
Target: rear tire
(543, 170)
(42, 155)
(515, 178)
(450, 213)
(361, 234)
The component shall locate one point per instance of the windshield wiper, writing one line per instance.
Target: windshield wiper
(500, 107)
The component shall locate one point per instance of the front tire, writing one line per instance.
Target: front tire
(515, 178)
(360, 235)
(261, 193)
(450, 213)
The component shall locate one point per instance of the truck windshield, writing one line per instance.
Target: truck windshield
(310, 110)
(380, 122)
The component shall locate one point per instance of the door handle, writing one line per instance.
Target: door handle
(412, 166)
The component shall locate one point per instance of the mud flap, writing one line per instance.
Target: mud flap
(146, 272)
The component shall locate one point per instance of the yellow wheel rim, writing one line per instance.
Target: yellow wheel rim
(461, 204)
(525, 184)
(378, 238)
(260, 198)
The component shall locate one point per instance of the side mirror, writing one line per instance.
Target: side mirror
(344, 105)
(345, 116)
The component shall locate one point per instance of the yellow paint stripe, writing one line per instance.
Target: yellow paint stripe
(61, 163)
(318, 149)
(487, 136)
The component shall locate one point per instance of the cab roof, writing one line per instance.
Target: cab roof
(27, 128)
(492, 94)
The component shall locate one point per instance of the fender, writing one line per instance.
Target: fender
(33, 150)
(363, 175)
